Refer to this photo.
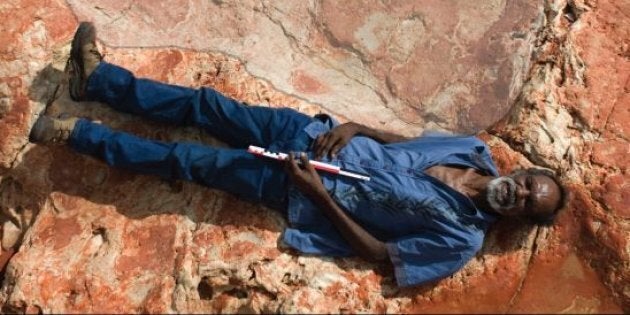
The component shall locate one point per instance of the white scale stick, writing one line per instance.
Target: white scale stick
(316, 164)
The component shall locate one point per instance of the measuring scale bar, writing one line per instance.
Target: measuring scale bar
(316, 164)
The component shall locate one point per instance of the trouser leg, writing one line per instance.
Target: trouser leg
(231, 121)
(232, 170)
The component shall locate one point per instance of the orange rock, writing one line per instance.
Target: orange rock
(107, 241)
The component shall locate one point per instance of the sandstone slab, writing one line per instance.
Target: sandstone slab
(404, 64)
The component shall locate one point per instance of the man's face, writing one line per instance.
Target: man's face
(523, 194)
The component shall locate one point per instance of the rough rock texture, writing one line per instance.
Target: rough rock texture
(79, 236)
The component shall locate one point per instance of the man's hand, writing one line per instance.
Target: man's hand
(306, 178)
(331, 142)
(310, 184)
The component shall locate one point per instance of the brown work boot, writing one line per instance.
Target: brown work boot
(52, 130)
(84, 57)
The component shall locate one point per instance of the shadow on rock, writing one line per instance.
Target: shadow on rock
(45, 85)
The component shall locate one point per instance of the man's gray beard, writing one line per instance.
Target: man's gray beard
(494, 190)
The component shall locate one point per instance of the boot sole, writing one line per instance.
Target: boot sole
(85, 33)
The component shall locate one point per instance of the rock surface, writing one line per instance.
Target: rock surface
(79, 236)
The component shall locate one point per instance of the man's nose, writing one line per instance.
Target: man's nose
(522, 192)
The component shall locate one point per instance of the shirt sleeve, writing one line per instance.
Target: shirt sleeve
(428, 256)
(321, 240)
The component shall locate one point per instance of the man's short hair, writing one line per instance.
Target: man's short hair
(547, 219)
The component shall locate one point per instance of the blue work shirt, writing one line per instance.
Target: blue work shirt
(430, 229)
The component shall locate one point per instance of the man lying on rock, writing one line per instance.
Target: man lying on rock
(426, 207)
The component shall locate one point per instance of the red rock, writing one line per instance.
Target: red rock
(60, 232)
(148, 248)
(603, 56)
(107, 241)
(615, 195)
(612, 153)
(558, 277)
(163, 62)
(563, 284)
(304, 83)
(617, 121)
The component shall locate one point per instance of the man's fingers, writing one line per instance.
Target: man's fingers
(320, 145)
(306, 163)
(291, 164)
(326, 144)
(336, 147)
(304, 159)
(318, 141)
(328, 147)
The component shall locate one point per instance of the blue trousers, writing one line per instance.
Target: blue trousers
(232, 170)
